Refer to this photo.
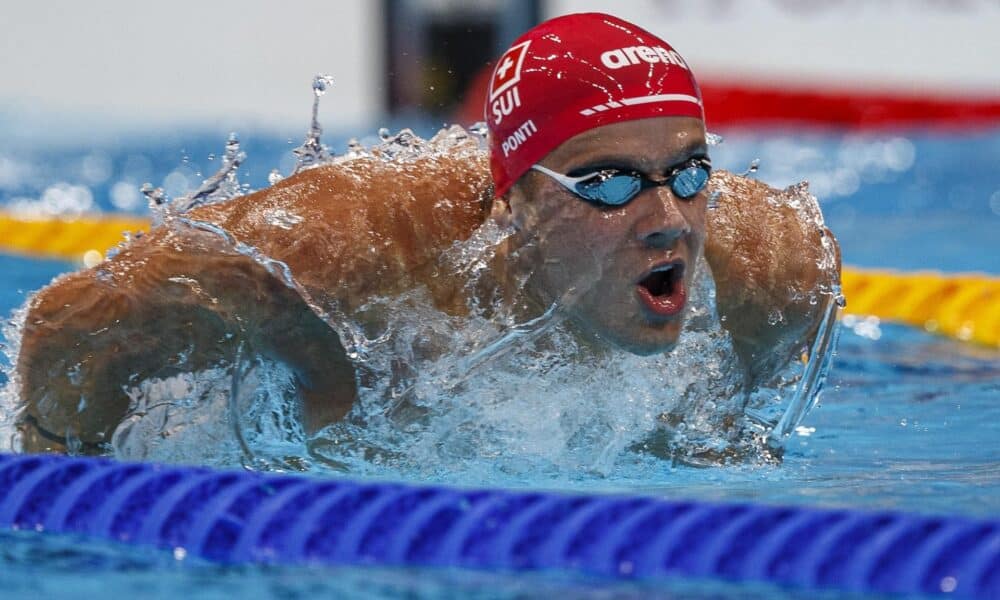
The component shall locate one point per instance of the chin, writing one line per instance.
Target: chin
(647, 341)
(649, 348)
(637, 336)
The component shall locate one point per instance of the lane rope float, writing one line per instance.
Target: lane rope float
(962, 306)
(238, 517)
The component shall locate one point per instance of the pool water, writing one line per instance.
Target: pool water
(908, 420)
(59, 567)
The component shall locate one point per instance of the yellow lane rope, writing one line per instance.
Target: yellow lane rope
(83, 239)
(966, 307)
(962, 306)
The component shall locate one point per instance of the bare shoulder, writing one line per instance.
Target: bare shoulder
(336, 225)
(748, 206)
(773, 259)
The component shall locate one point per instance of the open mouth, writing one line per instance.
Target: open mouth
(662, 290)
(663, 279)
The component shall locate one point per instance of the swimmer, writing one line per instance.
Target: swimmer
(598, 163)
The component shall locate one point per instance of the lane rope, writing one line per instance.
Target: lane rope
(238, 517)
(961, 306)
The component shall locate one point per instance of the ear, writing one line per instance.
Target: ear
(500, 212)
(508, 210)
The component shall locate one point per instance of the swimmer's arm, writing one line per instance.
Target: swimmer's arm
(167, 304)
(774, 265)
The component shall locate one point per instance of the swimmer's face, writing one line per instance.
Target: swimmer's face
(624, 272)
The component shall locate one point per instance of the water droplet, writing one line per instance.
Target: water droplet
(383, 132)
(752, 169)
(92, 258)
(713, 199)
(321, 83)
(274, 176)
(73, 444)
(222, 185)
(312, 152)
(157, 199)
(949, 584)
(479, 129)
(995, 202)
(713, 139)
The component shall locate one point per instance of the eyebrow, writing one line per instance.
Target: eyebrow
(626, 162)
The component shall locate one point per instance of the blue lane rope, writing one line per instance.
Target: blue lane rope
(240, 517)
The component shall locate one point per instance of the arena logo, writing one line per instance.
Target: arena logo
(634, 55)
(520, 135)
(504, 94)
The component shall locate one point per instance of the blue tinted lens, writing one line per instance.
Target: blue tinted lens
(615, 191)
(689, 182)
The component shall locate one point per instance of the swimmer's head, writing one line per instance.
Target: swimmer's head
(579, 96)
(575, 73)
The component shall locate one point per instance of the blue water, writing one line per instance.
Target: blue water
(908, 421)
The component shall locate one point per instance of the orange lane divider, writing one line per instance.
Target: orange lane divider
(963, 306)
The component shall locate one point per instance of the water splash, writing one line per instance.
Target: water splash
(713, 199)
(752, 168)
(489, 396)
(157, 200)
(403, 145)
(313, 152)
(221, 186)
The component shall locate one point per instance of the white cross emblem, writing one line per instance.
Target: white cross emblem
(507, 63)
(508, 71)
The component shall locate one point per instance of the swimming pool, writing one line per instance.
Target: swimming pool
(909, 421)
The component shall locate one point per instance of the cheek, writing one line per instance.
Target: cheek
(697, 217)
(586, 241)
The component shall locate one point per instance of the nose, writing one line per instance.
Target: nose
(662, 222)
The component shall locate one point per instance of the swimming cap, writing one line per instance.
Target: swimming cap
(574, 73)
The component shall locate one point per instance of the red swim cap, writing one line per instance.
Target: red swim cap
(574, 73)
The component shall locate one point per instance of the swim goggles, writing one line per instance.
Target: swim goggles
(613, 187)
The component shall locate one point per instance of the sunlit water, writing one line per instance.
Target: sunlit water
(908, 421)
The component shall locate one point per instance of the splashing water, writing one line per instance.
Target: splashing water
(223, 185)
(752, 169)
(493, 396)
(312, 152)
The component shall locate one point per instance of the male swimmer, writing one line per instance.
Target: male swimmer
(599, 164)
